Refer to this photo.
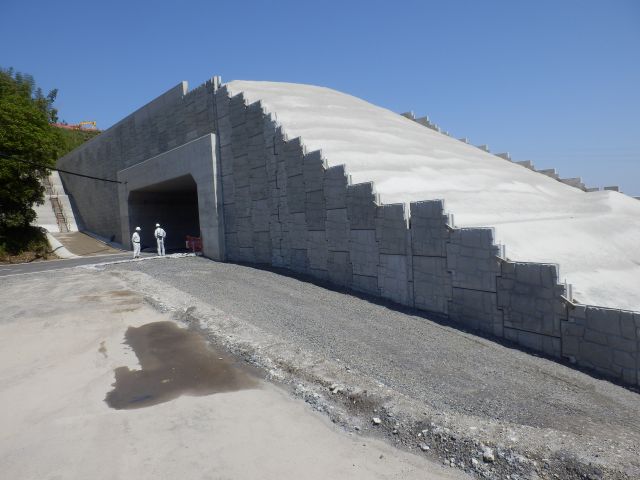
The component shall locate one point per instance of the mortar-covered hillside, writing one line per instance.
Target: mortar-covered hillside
(594, 237)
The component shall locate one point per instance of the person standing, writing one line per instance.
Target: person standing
(160, 234)
(135, 239)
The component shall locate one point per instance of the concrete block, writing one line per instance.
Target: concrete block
(245, 232)
(431, 284)
(429, 230)
(364, 252)
(231, 246)
(243, 201)
(472, 259)
(604, 320)
(542, 343)
(222, 102)
(335, 187)
(339, 268)
(624, 359)
(530, 297)
(226, 159)
(239, 140)
(299, 260)
(322, 275)
(476, 309)
(337, 229)
(241, 171)
(253, 119)
(595, 337)
(229, 215)
(600, 356)
(628, 326)
(392, 231)
(296, 195)
(228, 189)
(260, 215)
(622, 344)
(237, 110)
(393, 278)
(245, 255)
(313, 167)
(365, 284)
(258, 183)
(297, 229)
(317, 250)
(293, 153)
(315, 210)
(361, 206)
(262, 247)
(526, 164)
(255, 152)
(550, 172)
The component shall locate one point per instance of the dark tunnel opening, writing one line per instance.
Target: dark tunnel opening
(173, 204)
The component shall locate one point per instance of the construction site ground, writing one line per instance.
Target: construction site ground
(377, 371)
(67, 355)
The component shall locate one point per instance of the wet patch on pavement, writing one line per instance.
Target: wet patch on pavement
(174, 362)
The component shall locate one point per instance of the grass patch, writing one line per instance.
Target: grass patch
(24, 244)
(74, 138)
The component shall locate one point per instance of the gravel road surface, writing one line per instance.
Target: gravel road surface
(449, 370)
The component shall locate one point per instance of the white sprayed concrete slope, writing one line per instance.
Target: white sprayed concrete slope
(594, 237)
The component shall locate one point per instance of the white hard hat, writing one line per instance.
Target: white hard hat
(137, 228)
(157, 224)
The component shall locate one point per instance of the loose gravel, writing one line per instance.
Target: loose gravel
(467, 379)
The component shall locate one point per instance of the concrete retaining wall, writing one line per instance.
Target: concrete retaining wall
(284, 207)
(169, 121)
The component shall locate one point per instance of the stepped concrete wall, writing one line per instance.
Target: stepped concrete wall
(280, 205)
(284, 207)
(171, 120)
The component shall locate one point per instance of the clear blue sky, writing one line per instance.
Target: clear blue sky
(552, 81)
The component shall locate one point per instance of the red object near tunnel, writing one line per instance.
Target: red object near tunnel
(194, 244)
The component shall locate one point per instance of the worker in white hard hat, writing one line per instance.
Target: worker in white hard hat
(160, 234)
(135, 239)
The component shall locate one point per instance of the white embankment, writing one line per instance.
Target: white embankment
(594, 237)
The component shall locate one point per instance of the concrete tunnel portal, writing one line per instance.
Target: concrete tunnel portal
(173, 204)
(179, 189)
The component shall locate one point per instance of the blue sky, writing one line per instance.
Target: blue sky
(556, 82)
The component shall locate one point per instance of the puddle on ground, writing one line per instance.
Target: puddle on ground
(174, 361)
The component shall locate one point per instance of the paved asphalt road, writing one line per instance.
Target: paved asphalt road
(44, 266)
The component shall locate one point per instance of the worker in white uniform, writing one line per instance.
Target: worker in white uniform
(160, 234)
(135, 239)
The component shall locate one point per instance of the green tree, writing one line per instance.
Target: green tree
(25, 134)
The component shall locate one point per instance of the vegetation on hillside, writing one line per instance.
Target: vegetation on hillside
(74, 138)
(25, 136)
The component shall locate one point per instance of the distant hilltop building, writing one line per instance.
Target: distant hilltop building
(330, 186)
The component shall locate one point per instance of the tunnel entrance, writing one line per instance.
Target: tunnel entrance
(179, 189)
(173, 204)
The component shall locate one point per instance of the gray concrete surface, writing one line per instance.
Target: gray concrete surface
(169, 121)
(458, 374)
(156, 178)
(65, 338)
